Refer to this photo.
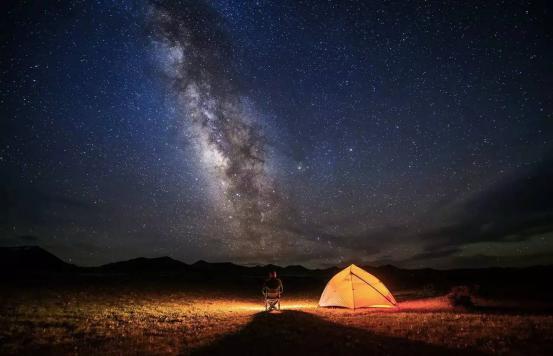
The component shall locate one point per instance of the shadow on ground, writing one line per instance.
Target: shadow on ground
(290, 332)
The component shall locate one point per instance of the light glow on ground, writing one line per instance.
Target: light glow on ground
(256, 306)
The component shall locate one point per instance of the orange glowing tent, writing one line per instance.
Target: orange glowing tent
(355, 288)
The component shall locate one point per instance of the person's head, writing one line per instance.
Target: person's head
(272, 274)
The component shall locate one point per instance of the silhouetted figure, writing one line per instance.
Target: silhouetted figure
(272, 289)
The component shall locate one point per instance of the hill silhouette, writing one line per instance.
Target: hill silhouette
(18, 262)
(23, 259)
(143, 264)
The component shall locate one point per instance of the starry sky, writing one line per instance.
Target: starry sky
(413, 133)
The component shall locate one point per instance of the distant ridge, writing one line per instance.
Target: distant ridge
(31, 259)
(28, 265)
(34, 260)
(143, 264)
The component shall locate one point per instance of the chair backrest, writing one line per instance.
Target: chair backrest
(272, 293)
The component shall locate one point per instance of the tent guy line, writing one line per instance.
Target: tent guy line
(393, 302)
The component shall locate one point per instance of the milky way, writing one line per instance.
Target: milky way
(216, 118)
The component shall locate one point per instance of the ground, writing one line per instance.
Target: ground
(128, 320)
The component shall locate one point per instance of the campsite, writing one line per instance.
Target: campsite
(276, 177)
(163, 306)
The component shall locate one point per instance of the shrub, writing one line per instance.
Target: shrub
(461, 296)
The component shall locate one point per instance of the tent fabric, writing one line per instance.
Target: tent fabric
(354, 288)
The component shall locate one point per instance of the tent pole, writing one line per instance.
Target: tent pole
(352, 292)
(367, 283)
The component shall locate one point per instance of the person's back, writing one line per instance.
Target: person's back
(273, 283)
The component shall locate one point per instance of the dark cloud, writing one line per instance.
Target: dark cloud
(517, 209)
(482, 260)
(433, 254)
(28, 239)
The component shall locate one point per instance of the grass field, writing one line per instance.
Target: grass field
(116, 321)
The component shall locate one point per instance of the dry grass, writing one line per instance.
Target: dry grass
(434, 322)
(130, 322)
(111, 323)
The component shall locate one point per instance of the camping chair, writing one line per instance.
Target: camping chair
(272, 298)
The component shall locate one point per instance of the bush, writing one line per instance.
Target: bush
(461, 296)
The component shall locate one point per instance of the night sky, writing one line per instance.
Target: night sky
(416, 133)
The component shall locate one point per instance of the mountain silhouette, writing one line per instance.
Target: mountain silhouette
(31, 259)
(36, 261)
(143, 264)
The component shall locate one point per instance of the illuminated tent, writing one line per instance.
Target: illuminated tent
(354, 288)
